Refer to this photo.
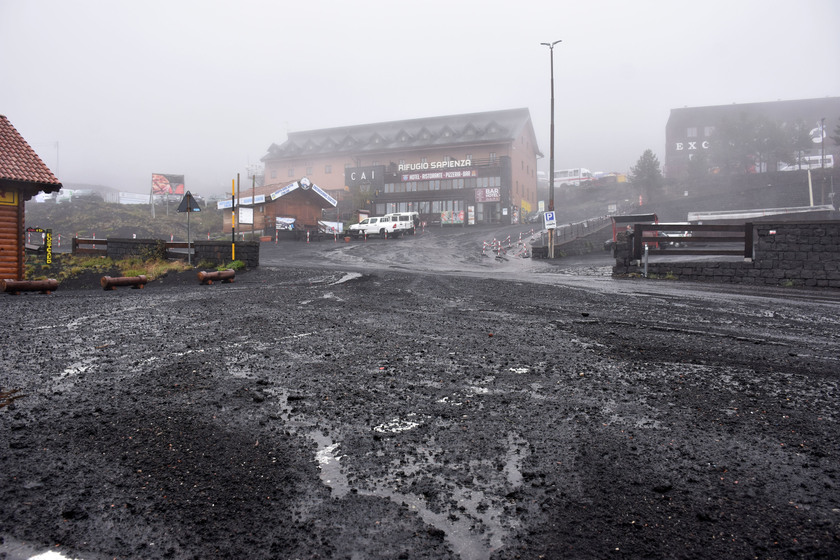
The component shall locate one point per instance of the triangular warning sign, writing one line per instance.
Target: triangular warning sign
(188, 204)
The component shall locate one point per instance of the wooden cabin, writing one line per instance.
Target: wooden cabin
(22, 176)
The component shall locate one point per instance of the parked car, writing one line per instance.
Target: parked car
(368, 226)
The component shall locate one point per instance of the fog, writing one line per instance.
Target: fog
(109, 92)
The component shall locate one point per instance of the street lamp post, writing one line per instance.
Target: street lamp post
(551, 152)
(822, 142)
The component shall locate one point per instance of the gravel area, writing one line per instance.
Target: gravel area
(419, 400)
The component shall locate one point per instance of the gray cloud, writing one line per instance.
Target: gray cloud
(203, 88)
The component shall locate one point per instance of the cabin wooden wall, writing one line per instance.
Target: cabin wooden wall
(11, 241)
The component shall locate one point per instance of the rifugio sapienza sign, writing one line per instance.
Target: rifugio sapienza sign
(373, 175)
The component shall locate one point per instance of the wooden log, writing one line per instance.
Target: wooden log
(15, 287)
(207, 277)
(111, 283)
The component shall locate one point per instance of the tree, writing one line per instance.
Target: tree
(800, 139)
(647, 175)
(733, 145)
(836, 135)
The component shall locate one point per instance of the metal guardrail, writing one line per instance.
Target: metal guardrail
(87, 246)
(693, 240)
(92, 246)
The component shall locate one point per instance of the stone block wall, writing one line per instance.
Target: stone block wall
(142, 248)
(219, 252)
(805, 254)
(214, 252)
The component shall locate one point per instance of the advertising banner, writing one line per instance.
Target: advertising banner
(8, 198)
(489, 194)
(285, 223)
(167, 184)
(452, 217)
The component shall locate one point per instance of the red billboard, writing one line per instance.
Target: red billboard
(167, 184)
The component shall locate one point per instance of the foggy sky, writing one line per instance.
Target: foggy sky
(109, 92)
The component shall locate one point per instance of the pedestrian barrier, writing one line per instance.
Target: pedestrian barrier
(15, 287)
(208, 277)
(500, 247)
(111, 283)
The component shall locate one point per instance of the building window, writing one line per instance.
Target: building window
(375, 163)
(273, 173)
(492, 157)
(691, 132)
(309, 171)
(291, 172)
(708, 131)
(327, 169)
(424, 160)
(468, 156)
(402, 162)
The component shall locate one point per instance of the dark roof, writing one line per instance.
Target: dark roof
(431, 132)
(20, 163)
(782, 111)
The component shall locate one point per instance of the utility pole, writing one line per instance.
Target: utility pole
(551, 156)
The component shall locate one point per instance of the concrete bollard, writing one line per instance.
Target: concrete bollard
(208, 277)
(136, 282)
(15, 287)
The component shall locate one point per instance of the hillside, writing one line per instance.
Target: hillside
(85, 217)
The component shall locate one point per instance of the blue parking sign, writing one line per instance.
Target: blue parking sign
(550, 221)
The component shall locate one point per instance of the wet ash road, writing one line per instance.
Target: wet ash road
(413, 399)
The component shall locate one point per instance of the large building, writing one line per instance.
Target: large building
(471, 168)
(690, 130)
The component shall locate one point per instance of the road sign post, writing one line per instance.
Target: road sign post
(550, 225)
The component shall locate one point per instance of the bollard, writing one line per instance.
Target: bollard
(307, 236)
(15, 287)
(110, 283)
(207, 277)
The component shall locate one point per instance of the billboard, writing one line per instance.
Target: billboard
(163, 183)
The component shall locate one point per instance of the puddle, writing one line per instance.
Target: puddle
(347, 277)
(473, 528)
(328, 295)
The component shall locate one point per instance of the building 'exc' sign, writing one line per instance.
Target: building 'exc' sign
(691, 146)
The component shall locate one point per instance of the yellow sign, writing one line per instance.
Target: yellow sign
(8, 198)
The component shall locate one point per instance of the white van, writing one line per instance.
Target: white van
(408, 222)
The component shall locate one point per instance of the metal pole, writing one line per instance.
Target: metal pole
(189, 246)
(253, 204)
(822, 141)
(551, 150)
(233, 219)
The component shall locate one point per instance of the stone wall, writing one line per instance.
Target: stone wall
(786, 254)
(219, 252)
(214, 252)
(142, 248)
(578, 239)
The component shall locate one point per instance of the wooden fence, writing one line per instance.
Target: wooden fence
(689, 239)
